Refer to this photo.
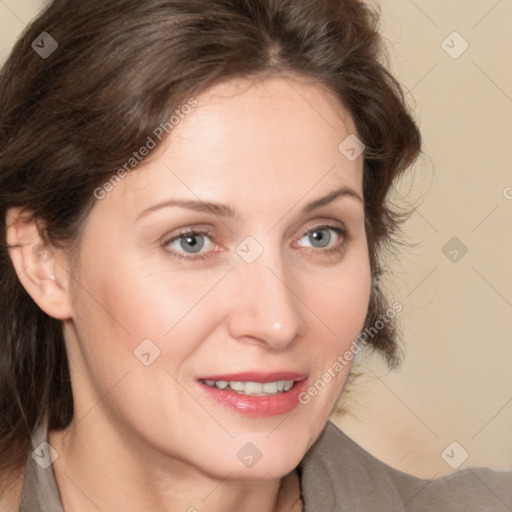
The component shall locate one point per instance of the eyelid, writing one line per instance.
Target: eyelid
(325, 223)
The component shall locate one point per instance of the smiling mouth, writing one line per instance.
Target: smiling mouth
(251, 388)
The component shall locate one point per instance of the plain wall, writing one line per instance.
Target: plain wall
(455, 383)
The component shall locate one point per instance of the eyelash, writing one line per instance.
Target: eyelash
(339, 247)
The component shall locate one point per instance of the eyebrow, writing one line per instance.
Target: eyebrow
(222, 210)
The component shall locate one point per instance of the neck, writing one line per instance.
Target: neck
(99, 469)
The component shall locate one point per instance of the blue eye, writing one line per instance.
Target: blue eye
(322, 236)
(190, 242)
(196, 244)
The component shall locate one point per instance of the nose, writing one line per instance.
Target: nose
(266, 309)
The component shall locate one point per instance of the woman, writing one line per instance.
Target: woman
(194, 196)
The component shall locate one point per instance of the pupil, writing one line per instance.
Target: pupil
(321, 237)
(192, 242)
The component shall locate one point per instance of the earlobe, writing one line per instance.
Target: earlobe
(39, 265)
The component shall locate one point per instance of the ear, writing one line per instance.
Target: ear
(41, 268)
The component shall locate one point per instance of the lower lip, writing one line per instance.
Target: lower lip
(258, 406)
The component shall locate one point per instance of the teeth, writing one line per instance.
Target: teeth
(269, 387)
(253, 388)
(236, 386)
(288, 385)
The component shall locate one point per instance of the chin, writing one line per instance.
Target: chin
(270, 470)
(269, 459)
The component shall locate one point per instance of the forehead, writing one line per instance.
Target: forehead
(257, 143)
(279, 117)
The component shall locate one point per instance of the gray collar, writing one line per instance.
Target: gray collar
(40, 492)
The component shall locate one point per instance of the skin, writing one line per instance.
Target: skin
(147, 437)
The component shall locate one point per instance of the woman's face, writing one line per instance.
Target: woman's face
(271, 283)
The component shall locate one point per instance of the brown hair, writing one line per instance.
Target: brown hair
(69, 121)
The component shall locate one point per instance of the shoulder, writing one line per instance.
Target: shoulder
(343, 472)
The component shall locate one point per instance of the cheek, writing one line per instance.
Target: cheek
(136, 300)
(341, 305)
(342, 300)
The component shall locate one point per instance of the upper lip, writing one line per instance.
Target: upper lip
(256, 376)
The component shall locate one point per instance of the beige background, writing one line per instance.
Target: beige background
(456, 383)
